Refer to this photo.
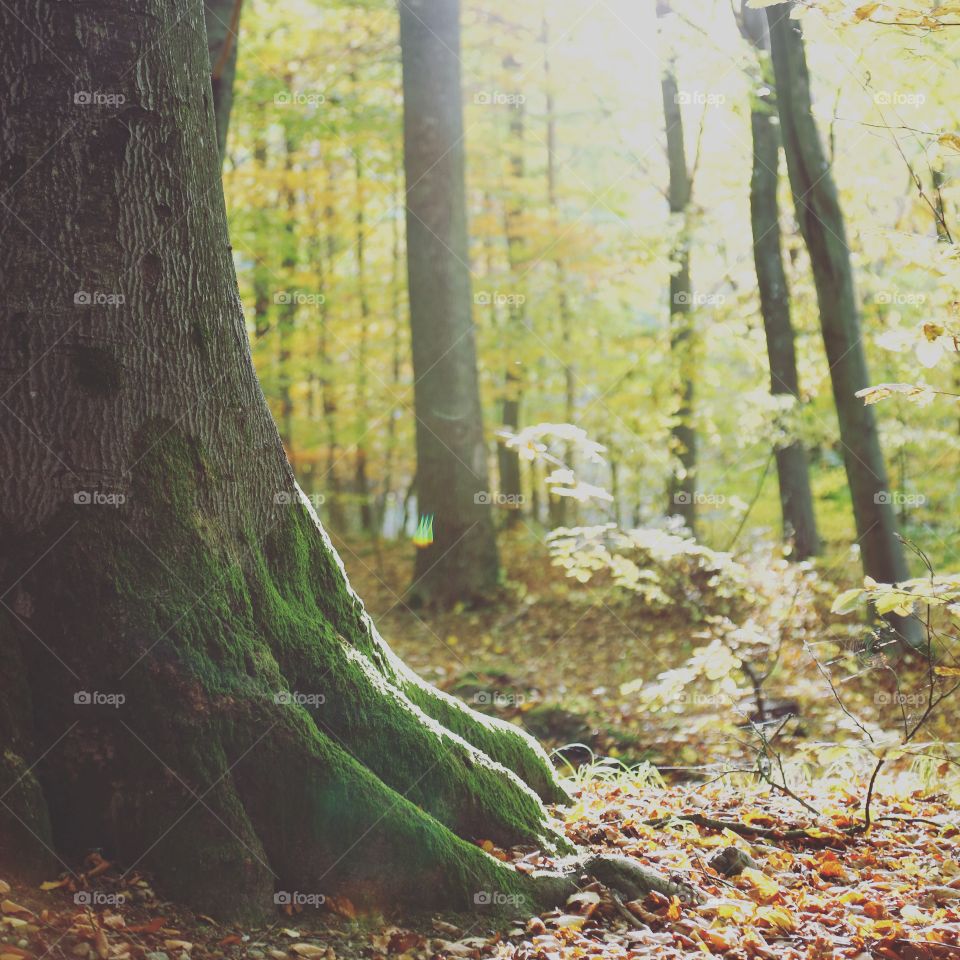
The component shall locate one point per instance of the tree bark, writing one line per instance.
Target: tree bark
(796, 500)
(821, 221)
(461, 563)
(189, 682)
(682, 488)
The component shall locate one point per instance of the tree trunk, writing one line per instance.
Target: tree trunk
(189, 682)
(563, 510)
(682, 488)
(821, 223)
(222, 18)
(508, 459)
(461, 563)
(796, 501)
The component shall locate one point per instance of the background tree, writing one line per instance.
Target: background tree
(793, 475)
(452, 481)
(824, 232)
(222, 21)
(682, 489)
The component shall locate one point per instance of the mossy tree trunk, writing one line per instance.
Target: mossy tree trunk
(793, 474)
(189, 683)
(817, 205)
(461, 563)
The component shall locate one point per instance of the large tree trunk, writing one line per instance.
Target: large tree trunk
(682, 488)
(822, 225)
(189, 683)
(452, 482)
(796, 501)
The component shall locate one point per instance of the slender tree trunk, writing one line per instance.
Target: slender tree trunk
(452, 482)
(821, 223)
(682, 488)
(222, 20)
(362, 420)
(796, 500)
(562, 510)
(508, 460)
(188, 682)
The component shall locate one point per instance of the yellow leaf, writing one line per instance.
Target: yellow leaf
(767, 887)
(779, 918)
(865, 12)
(947, 671)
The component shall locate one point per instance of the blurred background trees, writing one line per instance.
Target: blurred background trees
(574, 234)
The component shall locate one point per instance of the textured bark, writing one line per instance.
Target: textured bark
(796, 500)
(156, 548)
(452, 482)
(682, 489)
(821, 221)
(222, 20)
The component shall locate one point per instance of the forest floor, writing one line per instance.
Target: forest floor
(553, 655)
